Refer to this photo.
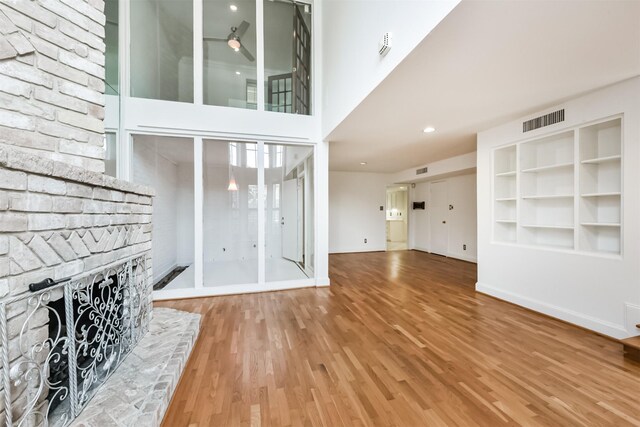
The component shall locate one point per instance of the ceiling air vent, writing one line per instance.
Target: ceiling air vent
(421, 170)
(542, 121)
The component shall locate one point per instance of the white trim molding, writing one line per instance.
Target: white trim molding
(249, 288)
(580, 319)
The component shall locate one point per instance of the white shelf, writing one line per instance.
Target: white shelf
(606, 194)
(599, 160)
(568, 187)
(554, 227)
(548, 168)
(549, 196)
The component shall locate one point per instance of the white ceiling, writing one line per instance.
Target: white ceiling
(487, 62)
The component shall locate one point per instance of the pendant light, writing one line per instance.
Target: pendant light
(233, 186)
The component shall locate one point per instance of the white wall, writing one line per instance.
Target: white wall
(356, 68)
(594, 291)
(354, 214)
(158, 172)
(461, 191)
(354, 211)
(185, 214)
(172, 235)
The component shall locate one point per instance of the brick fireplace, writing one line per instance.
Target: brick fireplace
(61, 221)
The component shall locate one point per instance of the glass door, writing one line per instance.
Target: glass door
(230, 213)
(289, 225)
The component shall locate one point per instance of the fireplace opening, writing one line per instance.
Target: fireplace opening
(98, 313)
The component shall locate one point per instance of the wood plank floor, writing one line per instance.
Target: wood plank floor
(400, 339)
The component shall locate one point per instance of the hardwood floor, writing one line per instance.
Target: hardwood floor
(400, 338)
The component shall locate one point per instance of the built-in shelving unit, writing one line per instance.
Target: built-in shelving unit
(505, 193)
(600, 182)
(562, 191)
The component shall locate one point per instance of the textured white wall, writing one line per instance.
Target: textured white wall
(156, 171)
(185, 214)
(172, 235)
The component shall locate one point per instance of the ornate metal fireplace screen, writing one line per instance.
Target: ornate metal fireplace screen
(104, 315)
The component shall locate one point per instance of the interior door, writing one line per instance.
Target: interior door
(438, 218)
(301, 64)
(289, 221)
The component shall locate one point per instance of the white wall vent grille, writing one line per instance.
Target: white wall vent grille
(422, 170)
(542, 121)
(384, 45)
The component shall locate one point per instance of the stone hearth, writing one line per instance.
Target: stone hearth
(139, 392)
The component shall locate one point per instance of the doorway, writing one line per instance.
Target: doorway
(396, 218)
(438, 218)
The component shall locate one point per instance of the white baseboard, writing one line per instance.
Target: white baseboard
(632, 318)
(323, 282)
(449, 255)
(464, 257)
(358, 250)
(580, 319)
(165, 294)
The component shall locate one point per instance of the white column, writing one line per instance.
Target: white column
(260, 53)
(198, 52)
(198, 210)
(322, 214)
(261, 214)
(123, 150)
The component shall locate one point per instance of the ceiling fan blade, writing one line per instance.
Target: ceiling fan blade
(242, 29)
(246, 53)
(214, 39)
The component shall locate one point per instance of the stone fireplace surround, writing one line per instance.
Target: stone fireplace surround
(62, 221)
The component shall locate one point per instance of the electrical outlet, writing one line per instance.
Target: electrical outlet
(464, 247)
(365, 240)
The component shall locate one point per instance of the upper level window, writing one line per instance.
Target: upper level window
(229, 53)
(111, 48)
(161, 53)
(287, 57)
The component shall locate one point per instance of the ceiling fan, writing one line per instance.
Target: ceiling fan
(233, 40)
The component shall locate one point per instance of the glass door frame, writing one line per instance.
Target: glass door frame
(198, 147)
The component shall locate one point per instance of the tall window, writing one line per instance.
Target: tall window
(110, 143)
(111, 48)
(287, 57)
(252, 156)
(229, 49)
(233, 154)
(162, 49)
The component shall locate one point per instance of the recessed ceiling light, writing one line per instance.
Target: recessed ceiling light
(363, 163)
(429, 129)
(238, 72)
(236, 49)
(233, 7)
